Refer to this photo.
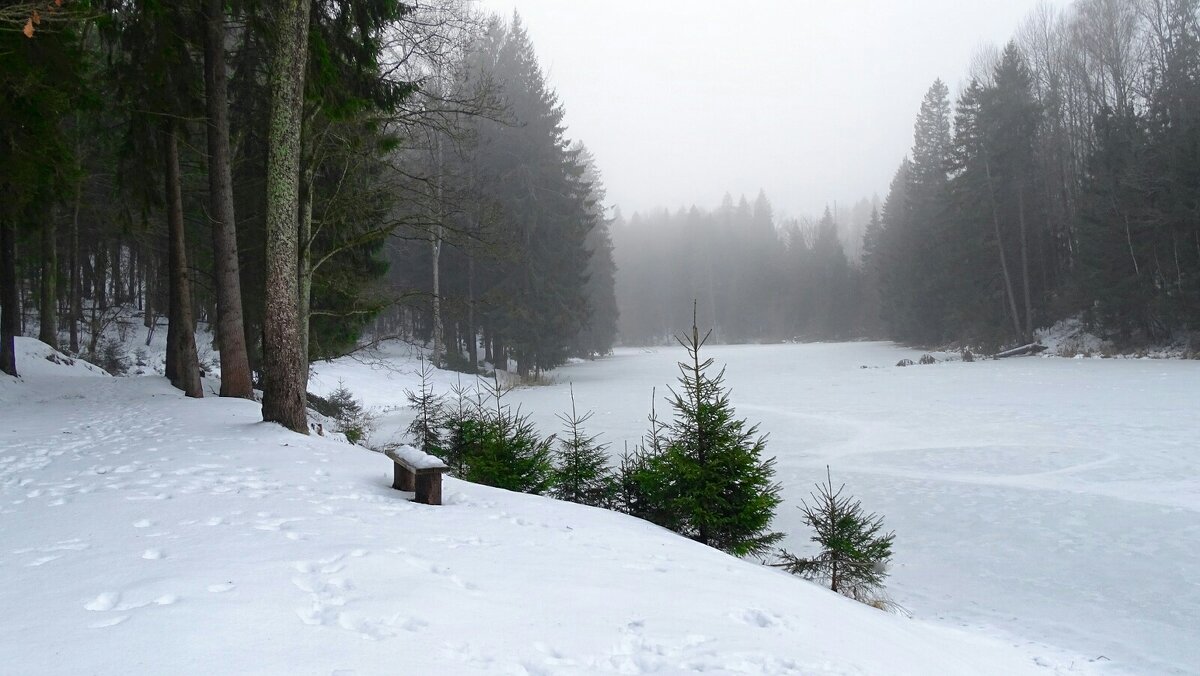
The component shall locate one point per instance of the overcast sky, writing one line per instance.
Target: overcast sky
(684, 100)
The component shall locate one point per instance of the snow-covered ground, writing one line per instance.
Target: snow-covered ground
(144, 533)
(1037, 499)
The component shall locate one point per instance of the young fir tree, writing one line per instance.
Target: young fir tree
(427, 427)
(641, 481)
(854, 549)
(352, 419)
(503, 449)
(461, 427)
(582, 474)
(718, 489)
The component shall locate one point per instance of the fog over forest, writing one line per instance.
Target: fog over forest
(600, 337)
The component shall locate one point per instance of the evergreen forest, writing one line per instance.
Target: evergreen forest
(306, 178)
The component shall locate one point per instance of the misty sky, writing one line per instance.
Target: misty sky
(683, 100)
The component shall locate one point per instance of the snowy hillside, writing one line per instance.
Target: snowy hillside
(144, 533)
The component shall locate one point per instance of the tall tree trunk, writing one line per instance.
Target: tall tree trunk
(235, 364)
(183, 366)
(305, 268)
(472, 331)
(76, 312)
(9, 298)
(1008, 288)
(100, 278)
(151, 271)
(131, 285)
(284, 388)
(499, 355)
(1025, 261)
(118, 288)
(435, 248)
(48, 312)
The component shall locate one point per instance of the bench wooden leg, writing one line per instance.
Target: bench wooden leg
(404, 480)
(429, 488)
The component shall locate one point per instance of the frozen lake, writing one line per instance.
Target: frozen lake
(1044, 500)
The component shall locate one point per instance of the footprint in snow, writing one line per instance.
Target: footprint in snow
(758, 618)
(152, 554)
(104, 602)
(221, 588)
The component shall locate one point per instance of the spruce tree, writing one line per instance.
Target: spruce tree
(854, 549)
(504, 450)
(582, 474)
(640, 484)
(461, 427)
(721, 492)
(426, 428)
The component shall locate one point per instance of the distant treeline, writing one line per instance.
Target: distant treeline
(1064, 182)
(750, 279)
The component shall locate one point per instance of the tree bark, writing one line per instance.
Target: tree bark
(48, 312)
(1008, 288)
(284, 388)
(435, 250)
(8, 298)
(235, 364)
(1025, 262)
(472, 332)
(305, 268)
(76, 311)
(183, 366)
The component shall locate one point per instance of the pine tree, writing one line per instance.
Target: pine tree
(720, 491)
(582, 474)
(854, 549)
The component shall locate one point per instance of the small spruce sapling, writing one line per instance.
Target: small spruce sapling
(643, 484)
(462, 424)
(582, 474)
(427, 428)
(506, 451)
(854, 549)
(352, 419)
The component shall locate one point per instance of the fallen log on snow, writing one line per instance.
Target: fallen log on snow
(1030, 349)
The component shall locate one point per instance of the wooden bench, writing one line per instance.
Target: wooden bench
(418, 472)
